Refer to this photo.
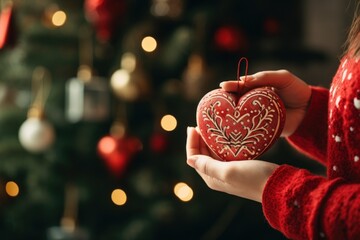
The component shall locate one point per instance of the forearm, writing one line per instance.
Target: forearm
(310, 138)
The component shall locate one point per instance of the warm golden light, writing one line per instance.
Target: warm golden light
(12, 189)
(120, 79)
(128, 62)
(168, 122)
(58, 18)
(183, 192)
(118, 197)
(149, 44)
(107, 145)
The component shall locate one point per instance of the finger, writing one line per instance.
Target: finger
(207, 166)
(202, 145)
(214, 183)
(194, 143)
(233, 86)
(278, 79)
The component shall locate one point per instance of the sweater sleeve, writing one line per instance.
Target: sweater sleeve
(310, 138)
(305, 206)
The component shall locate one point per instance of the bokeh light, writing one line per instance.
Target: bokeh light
(168, 122)
(148, 44)
(128, 62)
(107, 145)
(183, 192)
(120, 79)
(118, 196)
(58, 18)
(12, 189)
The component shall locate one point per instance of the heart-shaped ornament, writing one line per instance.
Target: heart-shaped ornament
(240, 127)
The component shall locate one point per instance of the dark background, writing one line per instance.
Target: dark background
(199, 44)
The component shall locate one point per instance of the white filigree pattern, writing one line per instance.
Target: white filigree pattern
(242, 130)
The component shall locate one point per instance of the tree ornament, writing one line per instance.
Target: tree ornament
(231, 39)
(68, 228)
(130, 82)
(158, 142)
(115, 157)
(6, 15)
(197, 78)
(36, 134)
(117, 149)
(117, 152)
(240, 127)
(87, 96)
(171, 9)
(105, 15)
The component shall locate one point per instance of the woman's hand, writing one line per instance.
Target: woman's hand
(245, 179)
(294, 92)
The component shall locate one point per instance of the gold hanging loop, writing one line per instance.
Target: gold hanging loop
(85, 54)
(119, 126)
(40, 90)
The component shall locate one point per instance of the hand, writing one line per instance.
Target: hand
(294, 92)
(245, 179)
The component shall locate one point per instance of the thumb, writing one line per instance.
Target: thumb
(206, 165)
(278, 79)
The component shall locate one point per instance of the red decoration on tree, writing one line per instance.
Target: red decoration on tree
(105, 15)
(231, 38)
(158, 142)
(117, 152)
(5, 25)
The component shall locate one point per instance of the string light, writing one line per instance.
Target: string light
(183, 192)
(120, 79)
(148, 44)
(118, 196)
(12, 189)
(58, 18)
(107, 145)
(128, 62)
(168, 122)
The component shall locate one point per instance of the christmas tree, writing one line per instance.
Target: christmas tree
(95, 98)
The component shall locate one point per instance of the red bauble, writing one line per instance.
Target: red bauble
(158, 142)
(231, 39)
(105, 15)
(240, 127)
(117, 152)
(6, 25)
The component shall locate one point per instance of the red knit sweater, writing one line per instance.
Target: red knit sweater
(306, 206)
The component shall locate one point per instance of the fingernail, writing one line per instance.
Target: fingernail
(247, 78)
(188, 130)
(221, 84)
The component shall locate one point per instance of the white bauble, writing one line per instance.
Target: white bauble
(36, 135)
(130, 86)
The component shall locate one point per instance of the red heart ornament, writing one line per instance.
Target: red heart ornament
(240, 127)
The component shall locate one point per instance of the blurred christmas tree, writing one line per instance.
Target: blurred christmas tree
(95, 97)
